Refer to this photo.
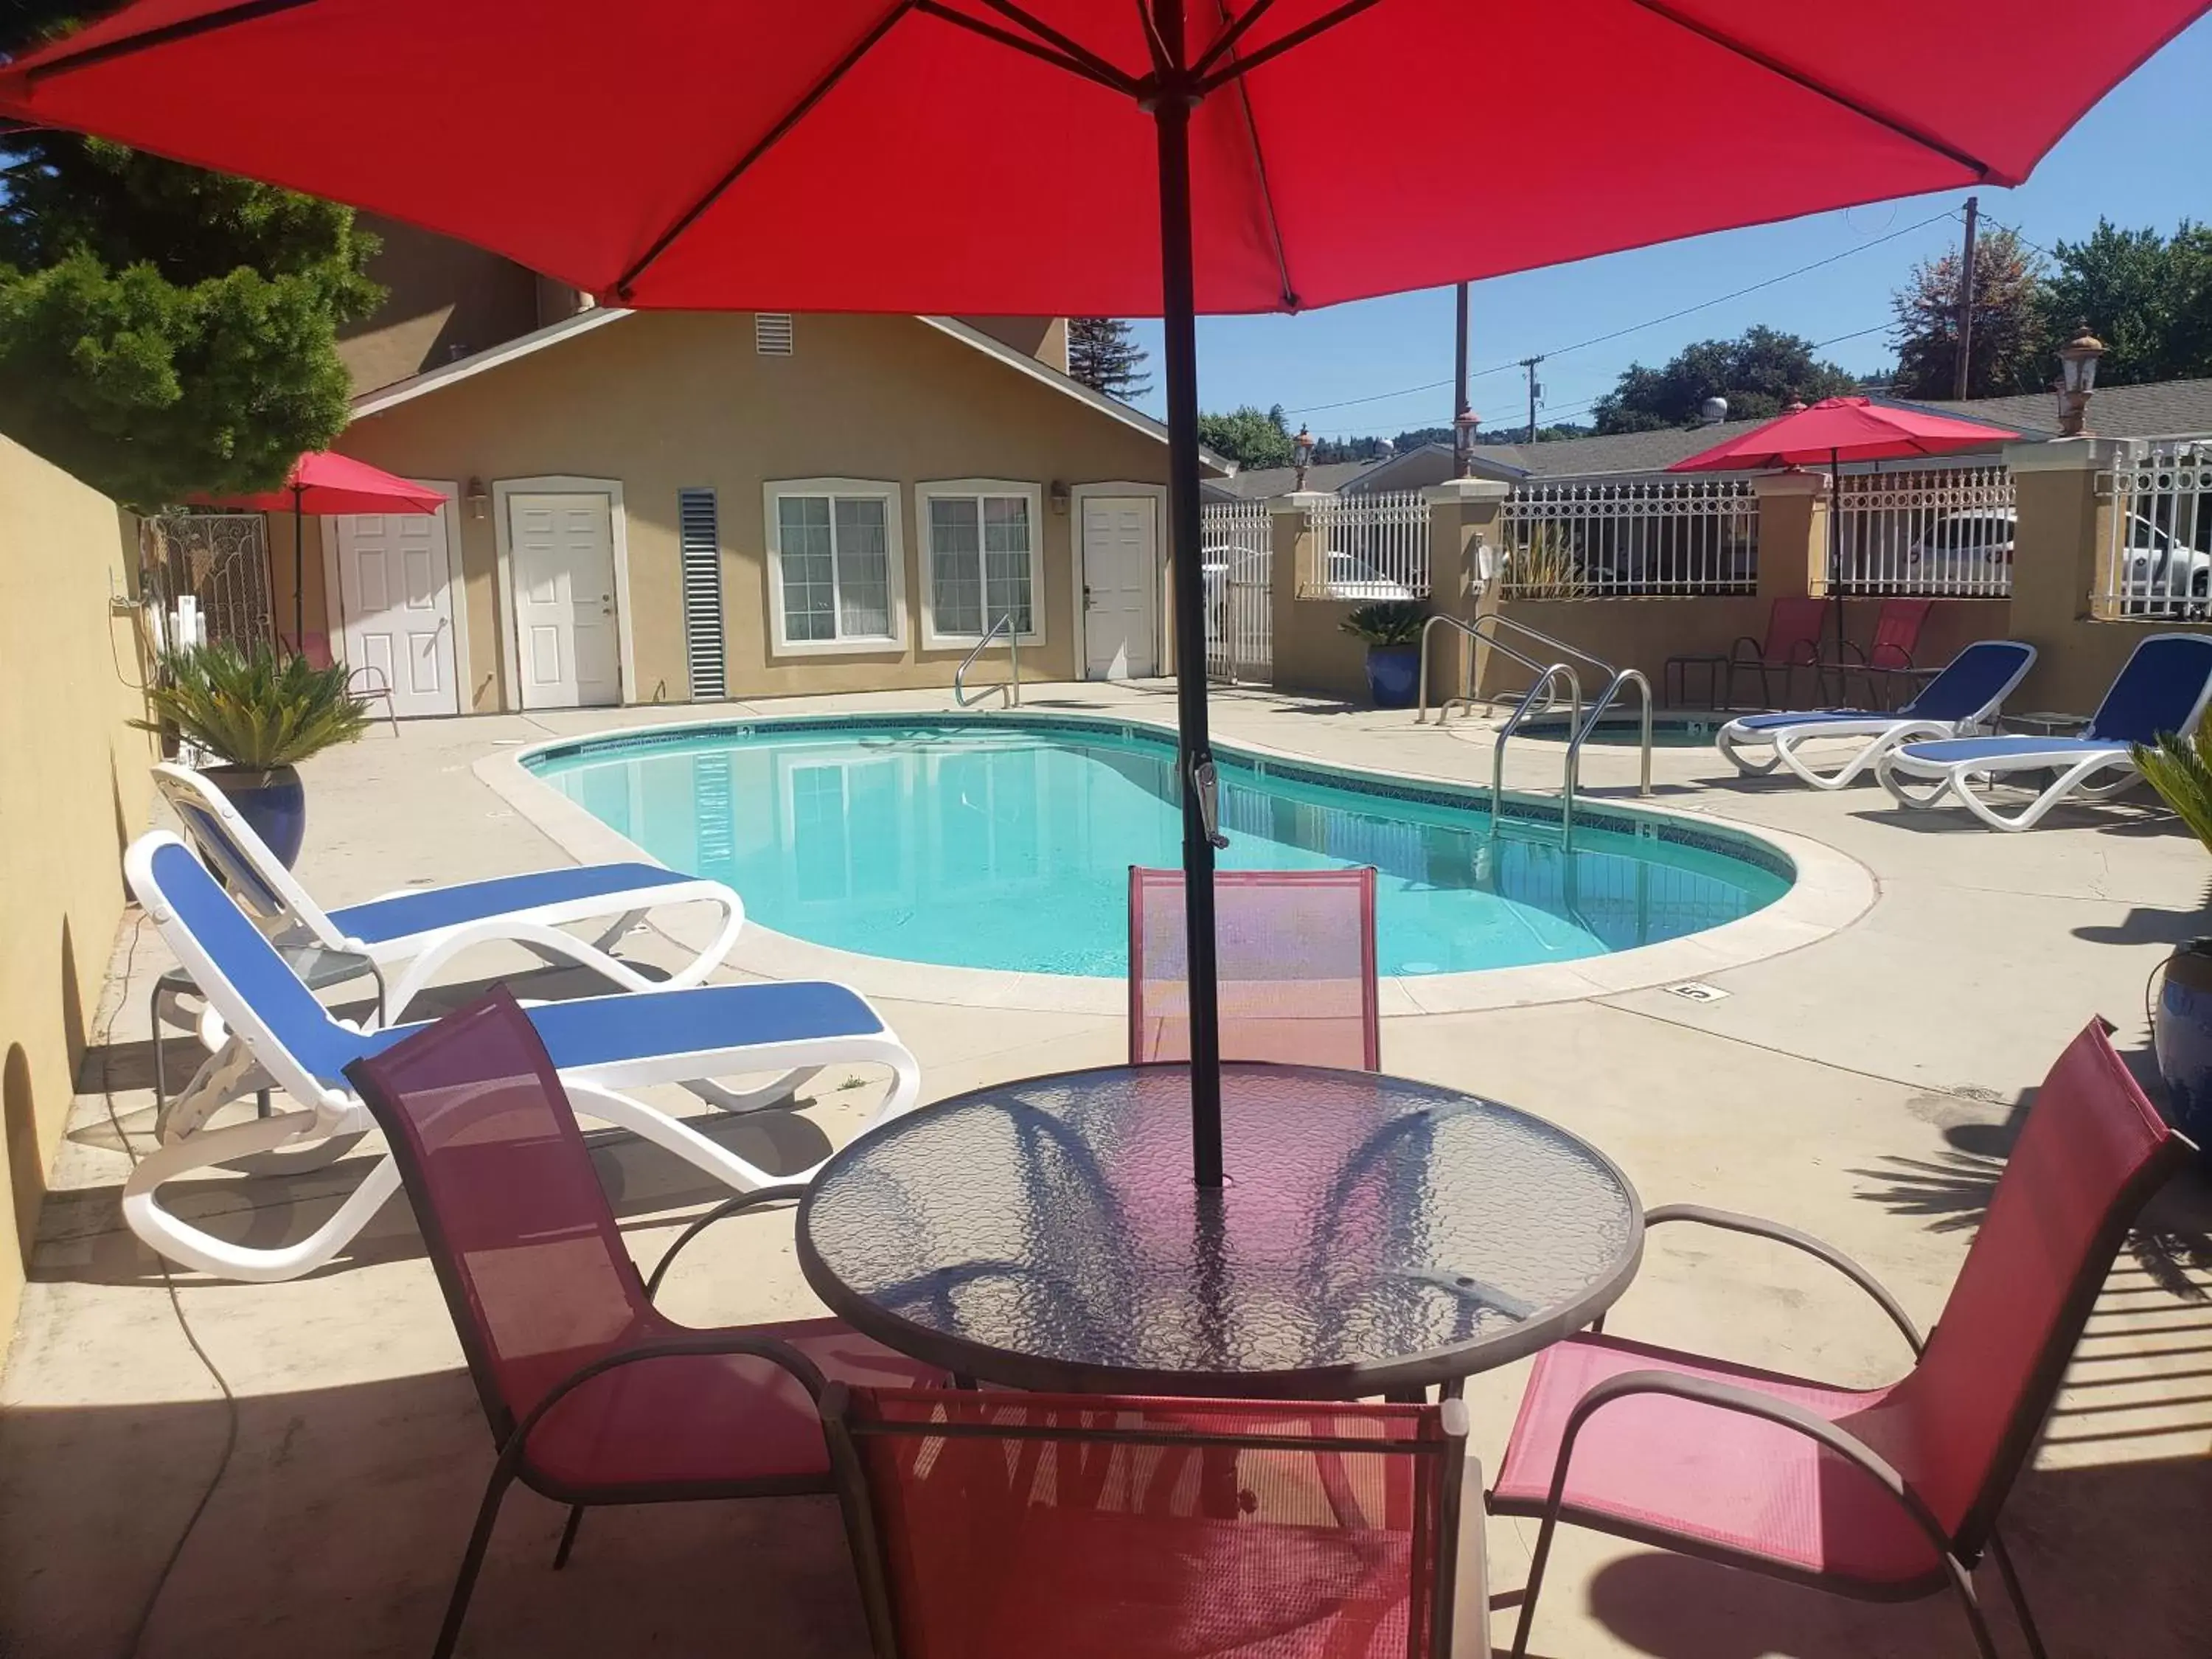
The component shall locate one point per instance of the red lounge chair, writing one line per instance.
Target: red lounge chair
(1296, 950)
(1886, 1493)
(1001, 1526)
(593, 1395)
(1793, 642)
(1896, 636)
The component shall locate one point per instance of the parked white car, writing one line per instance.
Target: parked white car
(1350, 577)
(1966, 549)
(2161, 575)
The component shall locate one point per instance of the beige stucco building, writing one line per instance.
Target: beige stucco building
(674, 507)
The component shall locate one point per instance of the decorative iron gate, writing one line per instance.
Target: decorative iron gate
(1238, 565)
(219, 561)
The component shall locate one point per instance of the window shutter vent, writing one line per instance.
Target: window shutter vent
(772, 333)
(700, 545)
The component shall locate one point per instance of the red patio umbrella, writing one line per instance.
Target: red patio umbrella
(320, 483)
(1839, 429)
(1090, 157)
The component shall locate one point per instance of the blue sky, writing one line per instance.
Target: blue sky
(2136, 159)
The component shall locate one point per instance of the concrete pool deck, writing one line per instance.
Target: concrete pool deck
(1863, 1084)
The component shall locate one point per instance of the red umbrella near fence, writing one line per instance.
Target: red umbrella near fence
(1042, 157)
(1836, 430)
(320, 483)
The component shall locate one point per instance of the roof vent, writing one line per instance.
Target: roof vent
(772, 333)
(1714, 411)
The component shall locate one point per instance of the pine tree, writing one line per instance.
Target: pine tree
(1102, 354)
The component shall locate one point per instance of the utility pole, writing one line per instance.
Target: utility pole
(1534, 392)
(1461, 436)
(1966, 300)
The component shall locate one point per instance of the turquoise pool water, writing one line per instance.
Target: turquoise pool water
(1006, 843)
(1617, 731)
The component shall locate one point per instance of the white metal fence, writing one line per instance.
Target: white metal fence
(1942, 533)
(2157, 561)
(1373, 547)
(1631, 538)
(1238, 564)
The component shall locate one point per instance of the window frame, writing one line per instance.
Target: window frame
(933, 637)
(780, 643)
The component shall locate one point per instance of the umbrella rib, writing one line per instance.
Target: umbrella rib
(1258, 156)
(1798, 78)
(1105, 74)
(791, 118)
(107, 51)
(1100, 69)
(1283, 43)
(1230, 36)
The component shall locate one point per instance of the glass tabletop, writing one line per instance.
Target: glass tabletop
(1375, 1234)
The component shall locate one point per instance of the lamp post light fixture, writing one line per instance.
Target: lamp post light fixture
(1463, 426)
(1303, 447)
(2077, 380)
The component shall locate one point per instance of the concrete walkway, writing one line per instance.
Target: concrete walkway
(1864, 1086)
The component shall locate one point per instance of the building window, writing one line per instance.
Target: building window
(984, 537)
(836, 572)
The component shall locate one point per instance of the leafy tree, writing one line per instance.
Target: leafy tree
(166, 331)
(2147, 296)
(1756, 374)
(2010, 350)
(1248, 436)
(1102, 353)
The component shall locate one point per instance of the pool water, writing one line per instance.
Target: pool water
(1003, 845)
(1668, 732)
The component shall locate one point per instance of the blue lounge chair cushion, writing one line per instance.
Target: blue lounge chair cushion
(597, 1030)
(1971, 682)
(404, 914)
(1806, 717)
(2160, 690)
(1950, 751)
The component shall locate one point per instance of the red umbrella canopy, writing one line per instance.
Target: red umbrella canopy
(982, 155)
(1847, 429)
(320, 481)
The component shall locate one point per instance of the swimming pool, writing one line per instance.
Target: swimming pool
(1004, 842)
(1617, 731)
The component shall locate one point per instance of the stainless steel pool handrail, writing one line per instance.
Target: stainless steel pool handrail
(1011, 686)
(1604, 699)
(1547, 683)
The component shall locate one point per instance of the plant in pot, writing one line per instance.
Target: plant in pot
(1392, 629)
(260, 714)
(2180, 770)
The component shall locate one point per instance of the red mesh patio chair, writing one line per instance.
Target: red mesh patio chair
(1297, 956)
(998, 1526)
(1896, 636)
(1793, 642)
(1884, 1494)
(368, 684)
(593, 1395)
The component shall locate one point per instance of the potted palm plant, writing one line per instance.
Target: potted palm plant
(1392, 629)
(2180, 770)
(261, 715)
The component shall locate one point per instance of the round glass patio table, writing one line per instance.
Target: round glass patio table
(1376, 1235)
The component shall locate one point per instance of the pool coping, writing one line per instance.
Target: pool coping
(1829, 890)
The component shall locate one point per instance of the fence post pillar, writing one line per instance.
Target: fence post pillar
(1793, 533)
(1466, 524)
(2061, 543)
(1294, 567)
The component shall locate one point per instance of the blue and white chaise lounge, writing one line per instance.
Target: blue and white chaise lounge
(281, 1036)
(426, 927)
(2162, 687)
(1966, 695)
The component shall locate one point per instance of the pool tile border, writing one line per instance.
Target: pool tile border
(1829, 890)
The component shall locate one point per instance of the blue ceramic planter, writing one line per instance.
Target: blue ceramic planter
(2181, 1037)
(271, 802)
(1392, 673)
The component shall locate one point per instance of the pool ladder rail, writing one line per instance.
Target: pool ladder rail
(1541, 697)
(1011, 686)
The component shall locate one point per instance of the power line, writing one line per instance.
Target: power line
(1635, 328)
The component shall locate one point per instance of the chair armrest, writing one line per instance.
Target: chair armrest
(1470, 1572)
(1748, 1402)
(743, 1201)
(1758, 650)
(1729, 1221)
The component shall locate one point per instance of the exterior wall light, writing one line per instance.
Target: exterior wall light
(1463, 427)
(1302, 447)
(477, 498)
(2077, 380)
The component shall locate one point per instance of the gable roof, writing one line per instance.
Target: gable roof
(584, 322)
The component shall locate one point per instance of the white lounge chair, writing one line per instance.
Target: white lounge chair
(2162, 687)
(426, 927)
(1966, 695)
(282, 1036)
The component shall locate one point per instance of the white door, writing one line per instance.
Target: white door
(396, 606)
(1121, 565)
(562, 550)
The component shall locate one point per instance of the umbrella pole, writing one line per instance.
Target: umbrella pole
(1836, 562)
(1178, 305)
(299, 574)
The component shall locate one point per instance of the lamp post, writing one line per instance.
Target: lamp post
(1463, 425)
(2077, 380)
(1302, 447)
